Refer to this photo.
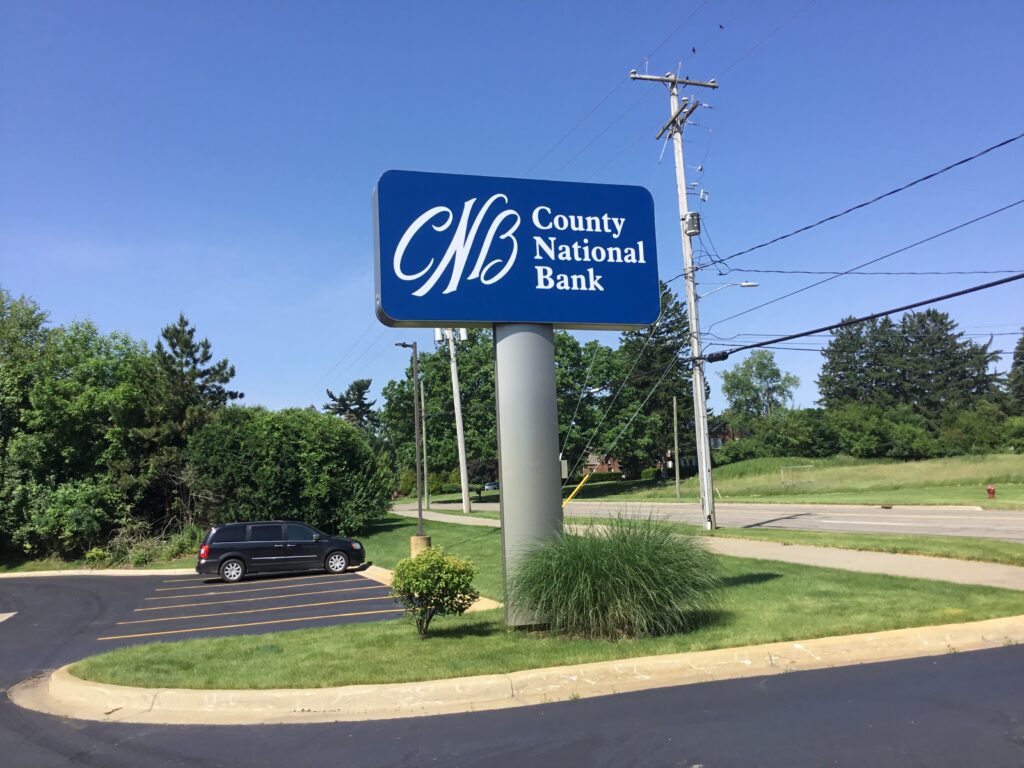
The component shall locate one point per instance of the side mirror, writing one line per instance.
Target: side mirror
(317, 537)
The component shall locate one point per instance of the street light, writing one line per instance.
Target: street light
(416, 436)
(744, 284)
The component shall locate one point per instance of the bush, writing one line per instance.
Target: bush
(648, 473)
(96, 557)
(629, 578)
(407, 483)
(251, 464)
(451, 488)
(434, 583)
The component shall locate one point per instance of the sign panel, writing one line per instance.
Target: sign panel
(473, 250)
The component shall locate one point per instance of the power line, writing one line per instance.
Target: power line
(716, 357)
(605, 130)
(866, 263)
(873, 200)
(671, 34)
(765, 39)
(349, 352)
(775, 343)
(857, 272)
(572, 130)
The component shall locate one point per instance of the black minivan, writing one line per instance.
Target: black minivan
(235, 549)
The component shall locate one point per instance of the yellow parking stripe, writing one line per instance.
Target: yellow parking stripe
(253, 610)
(218, 593)
(250, 624)
(265, 597)
(223, 584)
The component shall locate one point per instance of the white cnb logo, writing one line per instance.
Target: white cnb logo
(503, 227)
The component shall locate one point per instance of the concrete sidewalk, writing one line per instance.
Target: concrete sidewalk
(910, 566)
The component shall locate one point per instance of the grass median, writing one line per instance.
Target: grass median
(763, 601)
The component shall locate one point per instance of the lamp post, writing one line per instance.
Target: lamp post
(420, 541)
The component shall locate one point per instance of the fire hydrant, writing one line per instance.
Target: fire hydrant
(991, 491)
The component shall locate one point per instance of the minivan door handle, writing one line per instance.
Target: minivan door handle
(278, 546)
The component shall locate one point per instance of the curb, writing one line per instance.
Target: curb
(64, 695)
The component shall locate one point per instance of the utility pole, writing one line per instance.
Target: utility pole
(426, 470)
(690, 225)
(420, 541)
(675, 433)
(459, 432)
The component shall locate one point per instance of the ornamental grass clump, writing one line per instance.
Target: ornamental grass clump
(629, 577)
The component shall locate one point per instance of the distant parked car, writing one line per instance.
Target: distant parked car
(235, 549)
(492, 486)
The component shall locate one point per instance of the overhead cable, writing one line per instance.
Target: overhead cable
(873, 200)
(716, 357)
(867, 263)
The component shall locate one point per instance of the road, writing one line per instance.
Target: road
(949, 710)
(934, 521)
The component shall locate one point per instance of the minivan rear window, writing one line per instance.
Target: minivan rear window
(230, 533)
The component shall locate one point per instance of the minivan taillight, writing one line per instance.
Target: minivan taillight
(204, 551)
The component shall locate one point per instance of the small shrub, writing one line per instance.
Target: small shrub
(96, 557)
(184, 542)
(143, 552)
(434, 583)
(631, 577)
(648, 473)
(451, 488)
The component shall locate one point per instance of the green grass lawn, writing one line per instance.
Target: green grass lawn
(762, 602)
(387, 542)
(959, 480)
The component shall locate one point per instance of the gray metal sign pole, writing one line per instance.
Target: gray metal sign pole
(529, 470)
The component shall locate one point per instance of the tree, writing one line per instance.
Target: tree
(581, 382)
(756, 388)
(922, 362)
(650, 367)
(296, 463)
(1015, 381)
(476, 383)
(72, 470)
(353, 405)
(183, 395)
(23, 334)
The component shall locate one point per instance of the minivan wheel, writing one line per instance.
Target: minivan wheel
(232, 571)
(336, 562)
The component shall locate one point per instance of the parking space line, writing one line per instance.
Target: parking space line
(265, 597)
(253, 610)
(220, 592)
(249, 624)
(224, 585)
(6, 616)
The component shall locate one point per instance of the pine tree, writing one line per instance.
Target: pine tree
(1015, 382)
(353, 405)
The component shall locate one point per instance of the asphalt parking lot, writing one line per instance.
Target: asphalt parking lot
(180, 607)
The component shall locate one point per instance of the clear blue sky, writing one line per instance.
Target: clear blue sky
(218, 158)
